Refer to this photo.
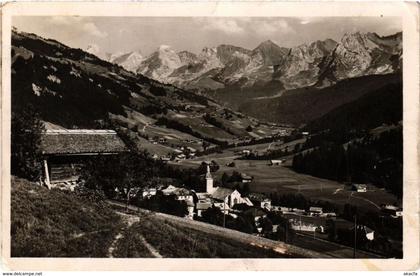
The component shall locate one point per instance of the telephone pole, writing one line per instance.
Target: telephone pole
(224, 214)
(355, 236)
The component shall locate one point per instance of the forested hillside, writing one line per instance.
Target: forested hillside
(304, 105)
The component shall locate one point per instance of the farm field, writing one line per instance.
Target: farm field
(159, 149)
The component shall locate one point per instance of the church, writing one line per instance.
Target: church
(223, 198)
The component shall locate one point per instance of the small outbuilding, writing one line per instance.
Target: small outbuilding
(276, 162)
(65, 151)
(360, 188)
(260, 200)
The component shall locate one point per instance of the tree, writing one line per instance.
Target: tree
(266, 225)
(165, 204)
(26, 128)
(120, 174)
(225, 179)
(243, 224)
(249, 128)
(331, 229)
(203, 167)
(213, 215)
(243, 188)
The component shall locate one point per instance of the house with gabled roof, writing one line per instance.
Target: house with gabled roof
(260, 200)
(64, 151)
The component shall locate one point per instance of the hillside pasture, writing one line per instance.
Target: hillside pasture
(54, 223)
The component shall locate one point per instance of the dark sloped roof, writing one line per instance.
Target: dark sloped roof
(203, 205)
(182, 192)
(221, 193)
(81, 142)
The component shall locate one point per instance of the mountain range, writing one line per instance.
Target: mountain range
(320, 63)
(72, 88)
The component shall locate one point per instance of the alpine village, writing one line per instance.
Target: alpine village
(270, 152)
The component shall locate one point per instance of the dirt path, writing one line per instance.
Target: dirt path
(111, 249)
(129, 220)
(152, 250)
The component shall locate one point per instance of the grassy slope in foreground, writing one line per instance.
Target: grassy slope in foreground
(176, 241)
(54, 223)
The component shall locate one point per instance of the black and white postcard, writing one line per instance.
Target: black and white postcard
(198, 136)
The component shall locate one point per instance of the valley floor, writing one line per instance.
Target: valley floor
(283, 180)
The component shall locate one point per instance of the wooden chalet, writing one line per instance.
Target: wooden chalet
(65, 151)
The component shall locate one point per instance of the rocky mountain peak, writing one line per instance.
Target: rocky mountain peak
(267, 44)
(187, 57)
(129, 61)
(163, 48)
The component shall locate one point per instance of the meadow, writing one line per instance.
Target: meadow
(55, 223)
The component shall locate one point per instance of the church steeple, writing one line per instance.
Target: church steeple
(209, 181)
(208, 174)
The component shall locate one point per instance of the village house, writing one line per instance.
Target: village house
(299, 225)
(298, 211)
(181, 156)
(65, 151)
(392, 211)
(315, 211)
(183, 194)
(276, 162)
(203, 203)
(360, 188)
(165, 159)
(246, 152)
(192, 150)
(260, 200)
(169, 190)
(367, 232)
(300, 222)
(246, 178)
(180, 193)
(148, 193)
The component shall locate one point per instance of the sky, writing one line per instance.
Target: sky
(146, 34)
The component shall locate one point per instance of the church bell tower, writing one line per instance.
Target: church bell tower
(209, 181)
